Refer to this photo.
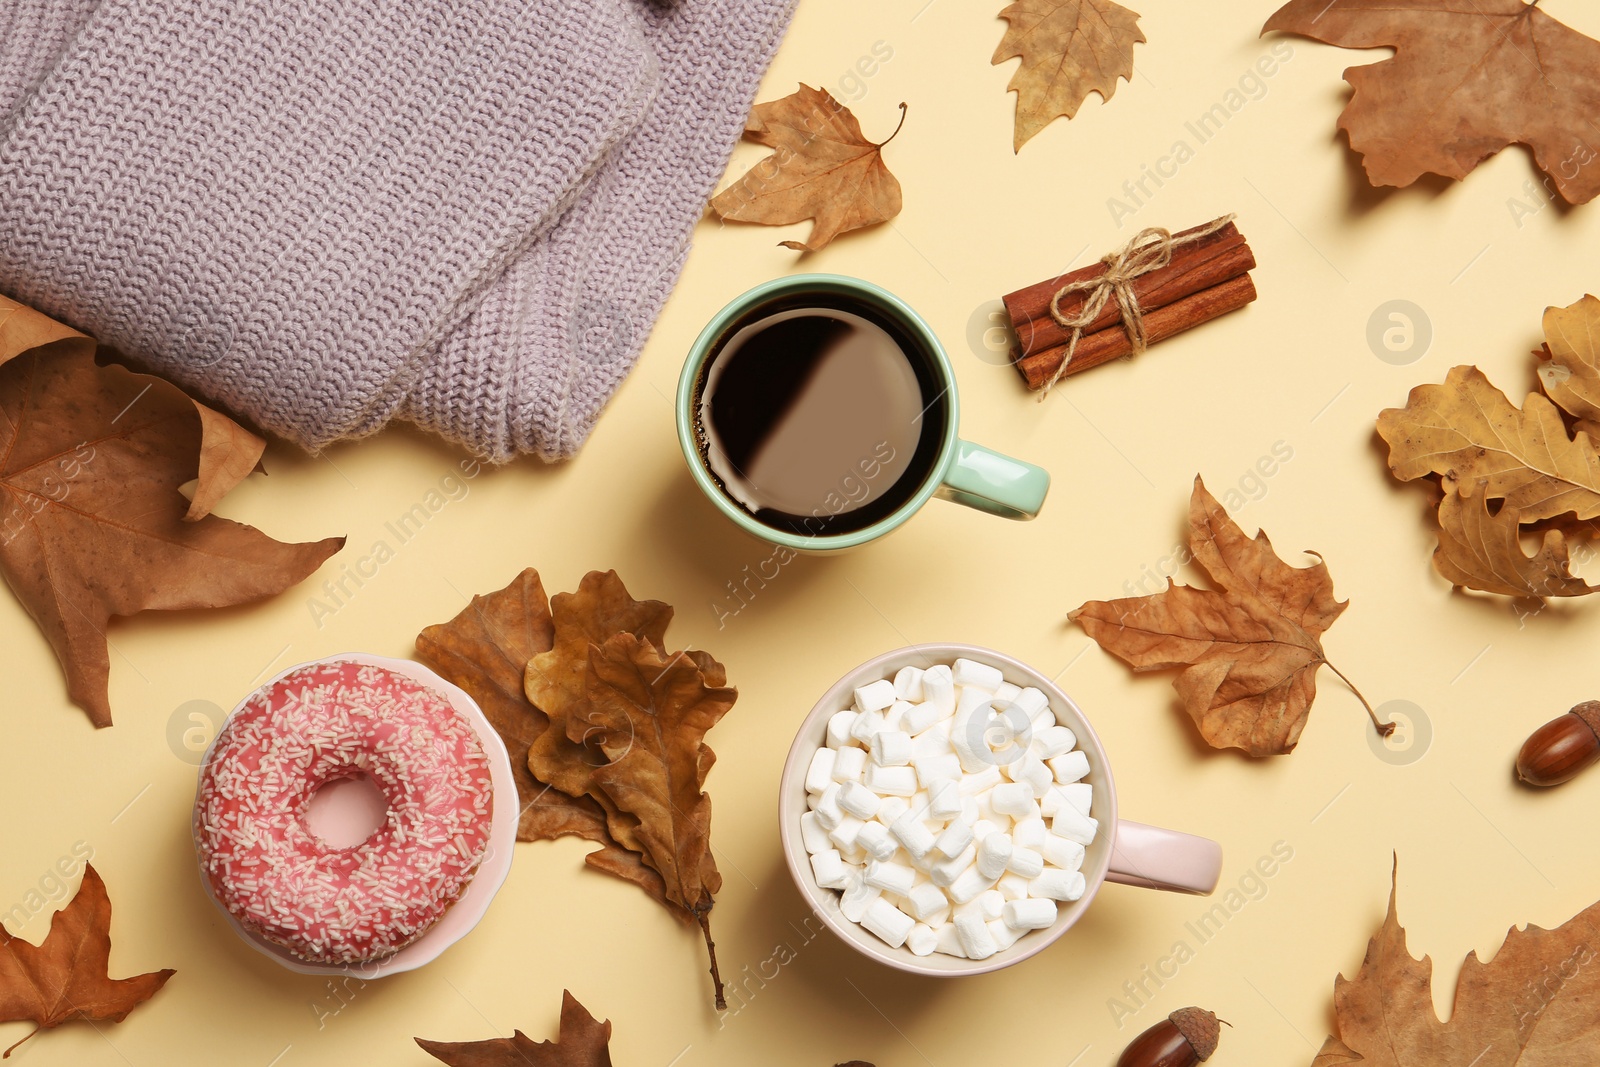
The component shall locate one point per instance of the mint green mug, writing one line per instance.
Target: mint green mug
(959, 470)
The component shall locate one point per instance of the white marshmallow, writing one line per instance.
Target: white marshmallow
(993, 853)
(944, 800)
(1042, 722)
(891, 877)
(945, 872)
(849, 763)
(1013, 798)
(991, 904)
(969, 808)
(875, 696)
(976, 940)
(910, 832)
(1058, 885)
(855, 855)
(939, 689)
(1012, 887)
(891, 781)
(891, 809)
(875, 840)
(844, 835)
(922, 940)
(970, 672)
(891, 748)
(1052, 801)
(968, 884)
(1032, 770)
(1030, 832)
(839, 728)
(1079, 794)
(954, 840)
(950, 942)
(925, 901)
(820, 774)
(920, 717)
(867, 723)
(1025, 863)
(813, 834)
(908, 684)
(888, 922)
(1005, 693)
(1033, 703)
(1059, 852)
(1004, 936)
(930, 769)
(1069, 824)
(857, 896)
(983, 780)
(896, 713)
(934, 741)
(1052, 742)
(858, 800)
(829, 869)
(828, 811)
(1069, 766)
(983, 828)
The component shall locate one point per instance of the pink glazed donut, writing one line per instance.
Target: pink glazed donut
(315, 725)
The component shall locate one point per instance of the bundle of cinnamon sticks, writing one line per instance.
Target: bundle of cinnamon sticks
(1207, 276)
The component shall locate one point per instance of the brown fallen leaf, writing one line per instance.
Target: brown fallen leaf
(1480, 550)
(581, 1042)
(822, 168)
(1569, 370)
(68, 977)
(1069, 49)
(1466, 80)
(485, 650)
(91, 458)
(653, 711)
(1249, 650)
(1468, 433)
(1532, 1004)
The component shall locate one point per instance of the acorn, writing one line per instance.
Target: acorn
(1562, 747)
(1186, 1037)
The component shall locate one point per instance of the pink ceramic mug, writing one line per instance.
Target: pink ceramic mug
(1131, 853)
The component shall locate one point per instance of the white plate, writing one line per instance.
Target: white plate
(491, 874)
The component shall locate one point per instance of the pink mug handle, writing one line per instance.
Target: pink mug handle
(1156, 858)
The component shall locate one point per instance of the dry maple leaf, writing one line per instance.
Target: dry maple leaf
(1249, 650)
(1069, 49)
(1480, 550)
(485, 650)
(1532, 1004)
(1469, 434)
(1466, 80)
(1569, 369)
(68, 976)
(822, 168)
(653, 711)
(93, 525)
(581, 1042)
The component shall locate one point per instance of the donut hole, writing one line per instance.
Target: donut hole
(345, 812)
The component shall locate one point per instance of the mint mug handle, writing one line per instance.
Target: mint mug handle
(993, 482)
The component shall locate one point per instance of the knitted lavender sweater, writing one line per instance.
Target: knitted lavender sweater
(327, 213)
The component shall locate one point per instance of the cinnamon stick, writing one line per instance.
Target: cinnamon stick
(1201, 264)
(1104, 345)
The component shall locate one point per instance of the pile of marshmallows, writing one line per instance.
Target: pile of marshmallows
(948, 807)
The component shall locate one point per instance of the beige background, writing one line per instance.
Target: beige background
(1476, 854)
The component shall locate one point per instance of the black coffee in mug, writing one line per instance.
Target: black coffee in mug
(819, 414)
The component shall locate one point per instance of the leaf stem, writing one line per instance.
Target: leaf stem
(896, 133)
(1384, 728)
(7, 1053)
(711, 950)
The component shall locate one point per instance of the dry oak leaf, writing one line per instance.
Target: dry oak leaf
(1466, 80)
(1469, 434)
(822, 168)
(1069, 49)
(1249, 650)
(1570, 360)
(1532, 1005)
(485, 650)
(1481, 550)
(68, 977)
(581, 1042)
(652, 712)
(93, 524)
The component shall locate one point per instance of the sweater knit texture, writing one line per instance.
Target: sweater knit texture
(324, 214)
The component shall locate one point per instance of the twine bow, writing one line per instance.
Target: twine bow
(1149, 250)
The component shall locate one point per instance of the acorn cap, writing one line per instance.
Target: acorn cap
(1199, 1028)
(1589, 712)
